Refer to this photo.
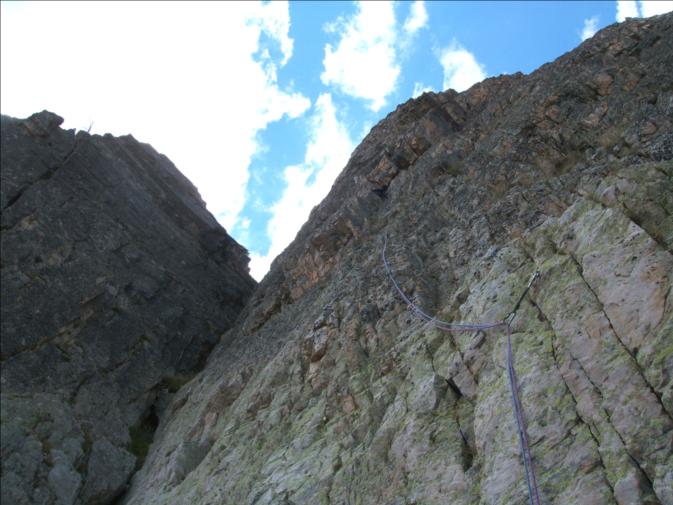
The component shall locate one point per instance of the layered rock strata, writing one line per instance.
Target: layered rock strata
(116, 284)
(331, 391)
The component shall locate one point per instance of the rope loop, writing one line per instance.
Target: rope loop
(529, 471)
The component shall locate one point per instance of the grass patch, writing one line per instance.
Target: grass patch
(174, 382)
(142, 436)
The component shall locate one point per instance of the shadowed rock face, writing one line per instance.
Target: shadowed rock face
(116, 284)
(330, 391)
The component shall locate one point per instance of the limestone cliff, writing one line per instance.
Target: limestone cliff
(331, 391)
(116, 284)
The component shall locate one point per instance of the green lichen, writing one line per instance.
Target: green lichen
(142, 435)
(174, 382)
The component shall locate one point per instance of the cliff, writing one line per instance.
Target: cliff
(328, 387)
(116, 284)
(332, 391)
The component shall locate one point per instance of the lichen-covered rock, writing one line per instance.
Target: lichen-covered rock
(116, 283)
(331, 391)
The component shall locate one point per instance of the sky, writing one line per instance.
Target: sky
(261, 104)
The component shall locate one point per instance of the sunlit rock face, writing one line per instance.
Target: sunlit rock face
(116, 284)
(332, 391)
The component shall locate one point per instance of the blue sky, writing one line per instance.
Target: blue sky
(261, 104)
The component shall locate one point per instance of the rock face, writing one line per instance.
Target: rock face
(331, 391)
(116, 284)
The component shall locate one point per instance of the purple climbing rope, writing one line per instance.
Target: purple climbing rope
(529, 471)
(531, 481)
(442, 325)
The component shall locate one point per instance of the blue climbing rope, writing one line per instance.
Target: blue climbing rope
(529, 471)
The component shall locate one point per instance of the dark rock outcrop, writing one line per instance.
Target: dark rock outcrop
(330, 391)
(116, 284)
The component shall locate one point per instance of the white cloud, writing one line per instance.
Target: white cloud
(274, 19)
(420, 88)
(461, 68)
(642, 8)
(327, 153)
(626, 9)
(590, 28)
(652, 8)
(364, 62)
(418, 17)
(195, 80)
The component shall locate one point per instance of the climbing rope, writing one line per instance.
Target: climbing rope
(443, 325)
(529, 471)
(531, 481)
